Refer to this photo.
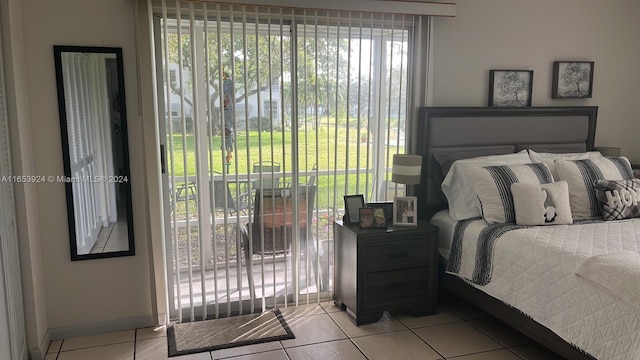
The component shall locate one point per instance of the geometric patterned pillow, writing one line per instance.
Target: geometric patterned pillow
(619, 199)
(581, 176)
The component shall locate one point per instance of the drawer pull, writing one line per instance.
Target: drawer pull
(398, 255)
(397, 285)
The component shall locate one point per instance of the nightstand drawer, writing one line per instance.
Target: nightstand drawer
(393, 285)
(396, 255)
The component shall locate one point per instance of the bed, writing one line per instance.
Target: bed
(529, 280)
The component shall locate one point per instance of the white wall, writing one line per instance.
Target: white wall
(110, 292)
(531, 35)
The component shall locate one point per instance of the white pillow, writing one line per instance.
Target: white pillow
(550, 158)
(458, 187)
(581, 176)
(544, 204)
(493, 186)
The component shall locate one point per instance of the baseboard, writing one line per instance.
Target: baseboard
(36, 354)
(40, 352)
(101, 327)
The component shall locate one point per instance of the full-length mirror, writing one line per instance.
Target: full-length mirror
(93, 125)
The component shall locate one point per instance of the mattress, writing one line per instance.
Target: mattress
(446, 226)
(533, 270)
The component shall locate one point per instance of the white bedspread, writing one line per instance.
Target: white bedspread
(533, 269)
(618, 272)
(446, 226)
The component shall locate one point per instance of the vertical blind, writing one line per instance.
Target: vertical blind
(88, 131)
(82, 147)
(313, 103)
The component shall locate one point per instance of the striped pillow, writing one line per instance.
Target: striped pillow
(581, 176)
(493, 187)
(619, 199)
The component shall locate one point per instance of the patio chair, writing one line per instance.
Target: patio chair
(266, 170)
(221, 191)
(185, 191)
(272, 227)
(311, 180)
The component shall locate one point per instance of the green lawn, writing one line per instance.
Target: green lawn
(320, 147)
(254, 146)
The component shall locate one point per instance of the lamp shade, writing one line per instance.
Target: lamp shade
(406, 169)
(609, 151)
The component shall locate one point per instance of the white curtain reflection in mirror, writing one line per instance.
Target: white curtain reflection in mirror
(96, 152)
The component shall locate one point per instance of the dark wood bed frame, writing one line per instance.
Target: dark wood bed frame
(519, 128)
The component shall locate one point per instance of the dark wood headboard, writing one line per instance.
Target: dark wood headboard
(496, 130)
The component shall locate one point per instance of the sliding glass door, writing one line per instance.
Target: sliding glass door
(270, 117)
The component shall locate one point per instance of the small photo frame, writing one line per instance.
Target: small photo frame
(510, 88)
(405, 211)
(352, 205)
(366, 217)
(572, 79)
(379, 218)
(374, 218)
(387, 206)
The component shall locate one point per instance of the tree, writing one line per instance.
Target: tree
(512, 84)
(574, 75)
(238, 55)
(322, 73)
(259, 57)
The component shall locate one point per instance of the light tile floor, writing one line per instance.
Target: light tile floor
(114, 237)
(458, 331)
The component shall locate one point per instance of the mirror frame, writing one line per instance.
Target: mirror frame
(62, 107)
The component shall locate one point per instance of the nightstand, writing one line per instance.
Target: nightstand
(378, 270)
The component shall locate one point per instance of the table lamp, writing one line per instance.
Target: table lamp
(406, 169)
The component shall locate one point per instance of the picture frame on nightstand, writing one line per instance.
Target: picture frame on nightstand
(352, 205)
(387, 206)
(374, 218)
(405, 212)
(366, 218)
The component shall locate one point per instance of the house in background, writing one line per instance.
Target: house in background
(247, 110)
(62, 298)
(270, 104)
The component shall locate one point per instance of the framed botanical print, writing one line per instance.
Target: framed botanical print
(510, 88)
(572, 79)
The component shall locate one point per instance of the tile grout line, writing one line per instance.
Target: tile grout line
(423, 340)
(135, 341)
(504, 347)
(345, 333)
(324, 311)
(95, 346)
(386, 332)
(491, 337)
(59, 349)
(328, 341)
(496, 340)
